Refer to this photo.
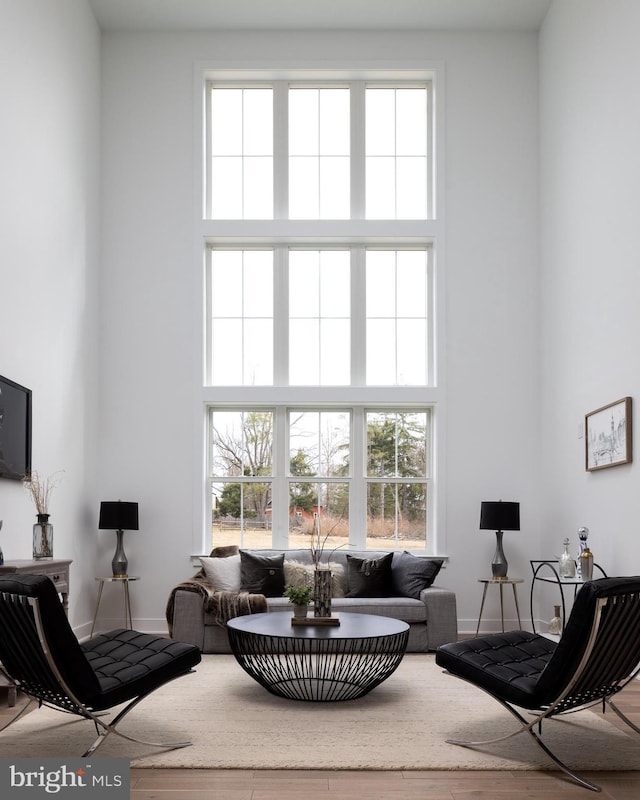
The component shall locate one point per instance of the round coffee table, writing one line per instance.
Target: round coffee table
(318, 662)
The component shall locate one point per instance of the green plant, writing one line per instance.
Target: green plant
(299, 595)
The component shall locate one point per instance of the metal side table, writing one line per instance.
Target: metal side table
(124, 581)
(501, 582)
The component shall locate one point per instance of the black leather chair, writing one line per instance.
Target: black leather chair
(39, 650)
(596, 656)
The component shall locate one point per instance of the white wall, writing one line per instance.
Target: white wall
(529, 350)
(49, 90)
(589, 322)
(151, 277)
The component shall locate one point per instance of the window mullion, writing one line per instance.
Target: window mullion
(208, 323)
(206, 194)
(280, 150)
(358, 487)
(357, 161)
(281, 316)
(280, 485)
(358, 317)
(430, 154)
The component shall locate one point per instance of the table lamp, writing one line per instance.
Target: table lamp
(119, 516)
(499, 517)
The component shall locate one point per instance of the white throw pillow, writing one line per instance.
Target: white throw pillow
(223, 573)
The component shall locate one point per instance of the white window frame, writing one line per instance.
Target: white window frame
(284, 232)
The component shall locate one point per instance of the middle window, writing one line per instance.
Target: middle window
(349, 317)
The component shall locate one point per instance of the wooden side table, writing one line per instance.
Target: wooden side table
(501, 582)
(58, 571)
(124, 581)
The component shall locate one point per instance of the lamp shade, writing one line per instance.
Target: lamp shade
(118, 516)
(499, 516)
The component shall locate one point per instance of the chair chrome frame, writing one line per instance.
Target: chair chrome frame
(602, 672)
(49, 688)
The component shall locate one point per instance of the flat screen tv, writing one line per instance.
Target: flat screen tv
(15, 430)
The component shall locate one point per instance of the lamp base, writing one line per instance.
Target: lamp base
(119, 564)
(499, 564)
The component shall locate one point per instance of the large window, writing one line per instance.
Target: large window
(320, 471)
(319, 366)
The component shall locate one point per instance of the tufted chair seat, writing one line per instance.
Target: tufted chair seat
(509, 663)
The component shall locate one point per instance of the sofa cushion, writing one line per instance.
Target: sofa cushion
(262, 574)
(404, 608)
(411, 574)
(223, 573)
(369, 577)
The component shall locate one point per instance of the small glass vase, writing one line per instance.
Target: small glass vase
(42, 538)
(322, 592)
(555, 624)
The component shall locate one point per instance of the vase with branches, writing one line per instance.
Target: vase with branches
(322, 572)
(40, 490)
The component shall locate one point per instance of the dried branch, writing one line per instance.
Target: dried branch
(40, 489)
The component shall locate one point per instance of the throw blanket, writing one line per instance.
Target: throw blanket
(221, 605)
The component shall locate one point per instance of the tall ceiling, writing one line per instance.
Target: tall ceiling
(193, 15)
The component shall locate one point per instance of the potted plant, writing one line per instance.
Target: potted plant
(300, 597)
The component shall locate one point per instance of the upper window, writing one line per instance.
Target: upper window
(344, 151)
(241, 141)
(397, 142)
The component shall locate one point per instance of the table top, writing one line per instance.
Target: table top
(29, 563)
(352, 626)
(501, 580)
(556, 577)
(119, 578)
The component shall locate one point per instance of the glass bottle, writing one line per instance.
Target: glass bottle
(583, 534)
(555, 624)
(566, 564)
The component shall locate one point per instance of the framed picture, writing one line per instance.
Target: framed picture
(15, 430)
(607, 435)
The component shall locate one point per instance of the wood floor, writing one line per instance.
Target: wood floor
(198, 784)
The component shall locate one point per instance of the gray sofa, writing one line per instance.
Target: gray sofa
(432, 617)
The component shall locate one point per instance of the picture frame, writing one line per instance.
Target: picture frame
(607, 435)
(15, 430)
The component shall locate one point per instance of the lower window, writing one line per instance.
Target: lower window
(356, 476)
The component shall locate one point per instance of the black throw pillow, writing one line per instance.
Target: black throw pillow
(261, 574)
(369, 577)
(411, 574)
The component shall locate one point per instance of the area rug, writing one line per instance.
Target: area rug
(402, 724)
